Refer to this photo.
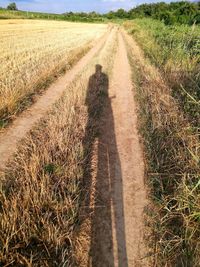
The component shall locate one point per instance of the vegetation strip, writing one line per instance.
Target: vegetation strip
(173, 171)
(176, 52)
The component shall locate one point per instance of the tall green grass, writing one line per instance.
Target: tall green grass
(176, 51)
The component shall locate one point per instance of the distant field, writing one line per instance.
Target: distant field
(32, 51)
(10, 14)
(81, 17)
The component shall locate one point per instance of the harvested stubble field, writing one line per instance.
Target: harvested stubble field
(38, 224)
(33, 53)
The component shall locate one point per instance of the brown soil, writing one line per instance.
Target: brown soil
(119, 197)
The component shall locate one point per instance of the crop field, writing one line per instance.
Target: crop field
(33, 51)
(64, 127)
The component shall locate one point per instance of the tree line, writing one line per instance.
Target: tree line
(170, 13)
(175, 12)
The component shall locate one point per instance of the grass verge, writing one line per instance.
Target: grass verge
(175, 50)
(172, 165)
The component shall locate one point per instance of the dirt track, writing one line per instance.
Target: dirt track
(132, 166)
(120, 195)
(10, 138)
(117, 223)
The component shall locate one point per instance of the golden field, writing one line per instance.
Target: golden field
(31, 52)
(43, 190)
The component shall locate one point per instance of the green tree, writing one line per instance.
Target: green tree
(12, 6)
(121, 13)
(110, 15)
(93, 14)
(167, 18)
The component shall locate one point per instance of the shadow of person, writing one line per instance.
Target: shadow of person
(107, 222)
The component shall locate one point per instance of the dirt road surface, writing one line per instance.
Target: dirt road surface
(120, 196)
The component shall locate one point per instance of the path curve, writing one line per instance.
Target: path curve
(10, 138)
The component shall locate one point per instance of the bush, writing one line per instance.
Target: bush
(196, 18)
(167, 18)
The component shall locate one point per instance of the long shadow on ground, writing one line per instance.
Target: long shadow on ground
(108, 226)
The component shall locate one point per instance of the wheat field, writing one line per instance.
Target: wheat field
(34, 51)
(55, 142)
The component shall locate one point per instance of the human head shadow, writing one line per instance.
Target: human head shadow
(107, 205)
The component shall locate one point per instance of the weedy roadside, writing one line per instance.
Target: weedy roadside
(172, 165)
(175, 50)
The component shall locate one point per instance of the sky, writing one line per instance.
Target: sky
(61, 6)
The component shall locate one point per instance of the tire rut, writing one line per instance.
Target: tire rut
(117, 237)
(10, 138)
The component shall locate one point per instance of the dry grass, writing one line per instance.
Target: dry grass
(7, 14)
(173, 171)
(32, 52)
(42, 190)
